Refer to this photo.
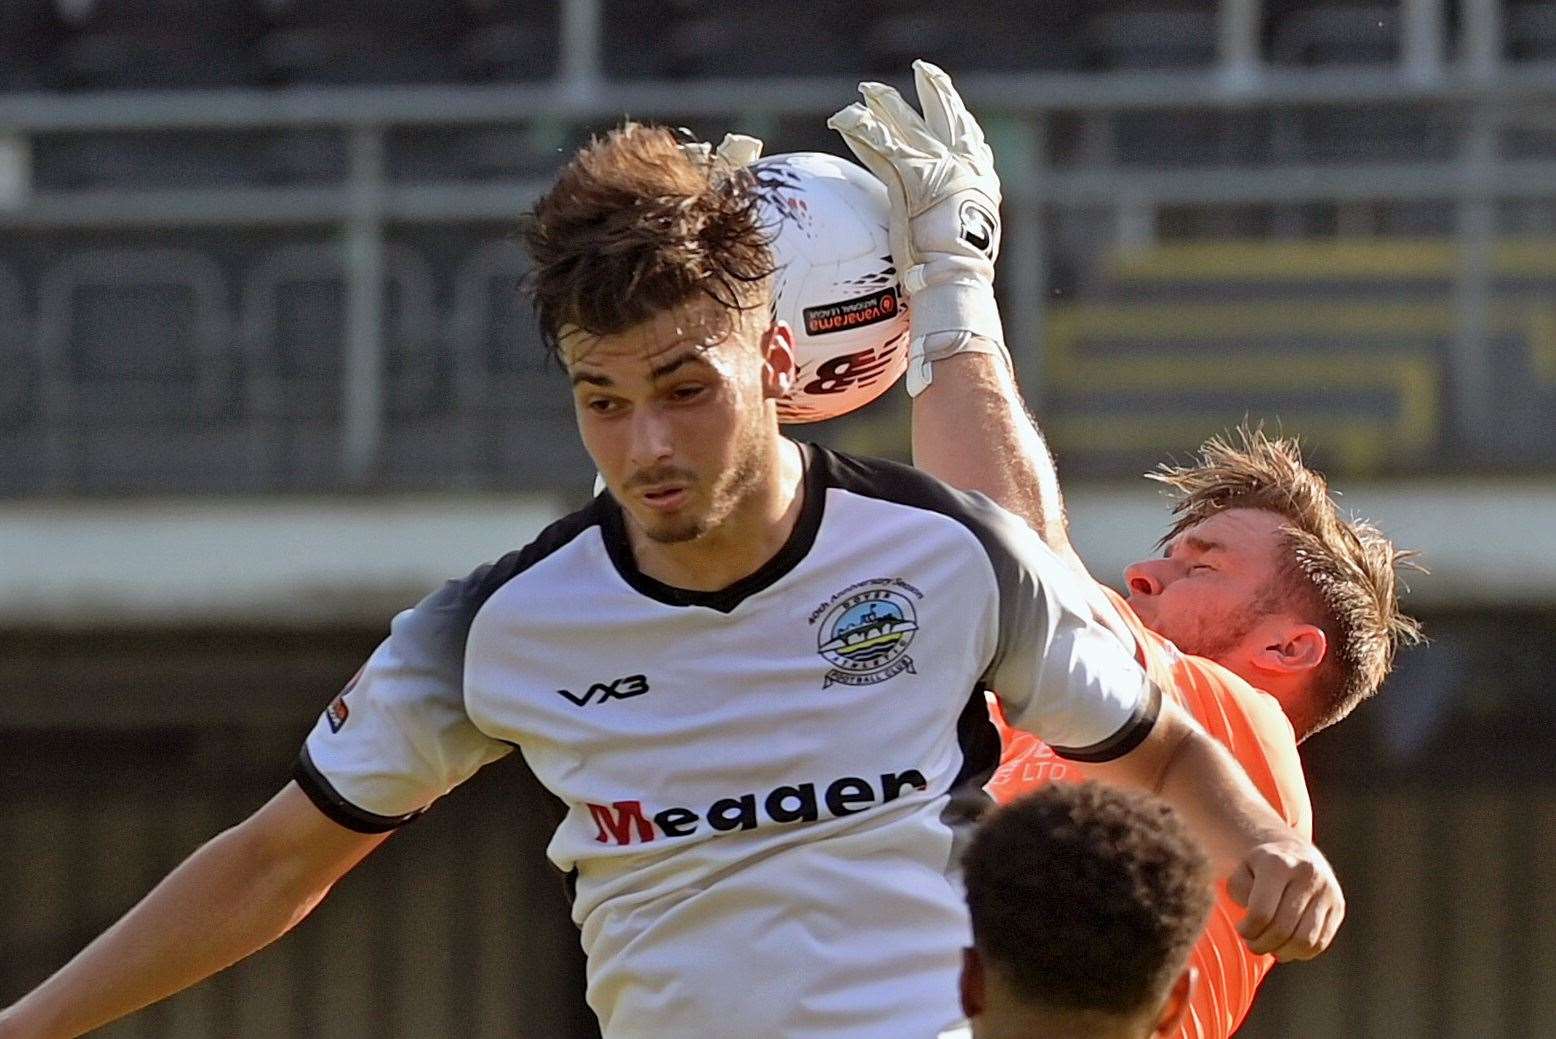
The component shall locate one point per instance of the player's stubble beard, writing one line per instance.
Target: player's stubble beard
(1215, 637)
(731, 488)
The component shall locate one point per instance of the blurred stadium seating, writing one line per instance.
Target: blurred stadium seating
(284, 168)
(1353, 338)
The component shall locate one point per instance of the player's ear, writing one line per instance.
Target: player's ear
(1177, 1006)
(972, 983)
(1292, 649)
(779, 367)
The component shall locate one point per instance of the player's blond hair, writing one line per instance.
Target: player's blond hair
(634, 226)
(1346, 569)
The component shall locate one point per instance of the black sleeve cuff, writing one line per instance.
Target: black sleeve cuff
(1127, 738)
(328, 800)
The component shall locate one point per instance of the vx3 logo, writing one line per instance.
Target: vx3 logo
(599, 692)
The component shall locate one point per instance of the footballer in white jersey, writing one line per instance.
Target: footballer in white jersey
(765, 786)
(752, 673)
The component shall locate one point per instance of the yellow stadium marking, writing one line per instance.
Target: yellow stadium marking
(1411, 376)
(1391, 320)
(1242, 358)
(1337, 260)
(1221, 321)
(1386, 259)
(1358, 445)
(1540, 322)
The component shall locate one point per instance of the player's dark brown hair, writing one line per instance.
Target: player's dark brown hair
(1343, 571)
(635, 226)
(1086, 897)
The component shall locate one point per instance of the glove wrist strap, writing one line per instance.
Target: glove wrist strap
(956, 316)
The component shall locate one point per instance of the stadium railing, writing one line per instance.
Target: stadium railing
(350, 171)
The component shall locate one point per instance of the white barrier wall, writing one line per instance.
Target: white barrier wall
(325, 563)
(331, 562)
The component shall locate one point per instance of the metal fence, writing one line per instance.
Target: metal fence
(312, 288)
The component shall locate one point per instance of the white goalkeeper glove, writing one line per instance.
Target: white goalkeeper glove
(945, 224)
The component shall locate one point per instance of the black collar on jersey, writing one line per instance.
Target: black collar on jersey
(801, 538)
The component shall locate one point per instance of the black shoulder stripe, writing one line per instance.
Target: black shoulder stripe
(549, 541)
(443, 621)
(995, 529)
(980, 744)
(328, 800)
(893, 481)
(1127, 738)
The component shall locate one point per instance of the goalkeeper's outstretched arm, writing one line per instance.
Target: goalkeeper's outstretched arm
(238, 893)
(971, 429)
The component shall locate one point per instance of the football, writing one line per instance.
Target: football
(835, 286)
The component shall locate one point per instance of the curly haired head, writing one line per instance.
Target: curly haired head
(1345, 571)
(635, 226)
(1086, 898)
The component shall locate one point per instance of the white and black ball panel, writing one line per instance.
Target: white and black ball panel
(836, 285)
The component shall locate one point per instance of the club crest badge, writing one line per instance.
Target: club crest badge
(865, 632)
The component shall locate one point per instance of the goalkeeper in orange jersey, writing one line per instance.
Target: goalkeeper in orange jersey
(1268, 616)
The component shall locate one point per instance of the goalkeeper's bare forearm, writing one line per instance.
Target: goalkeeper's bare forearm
(235, 895)
(972, 430)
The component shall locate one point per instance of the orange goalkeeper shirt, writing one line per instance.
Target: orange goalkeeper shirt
(1252, 726)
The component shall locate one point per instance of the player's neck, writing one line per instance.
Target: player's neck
(751, 535)
(1292, 692)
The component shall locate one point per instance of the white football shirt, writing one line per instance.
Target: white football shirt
(764, 787)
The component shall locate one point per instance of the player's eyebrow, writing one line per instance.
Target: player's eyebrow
(659, 371)
(1196, 544)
